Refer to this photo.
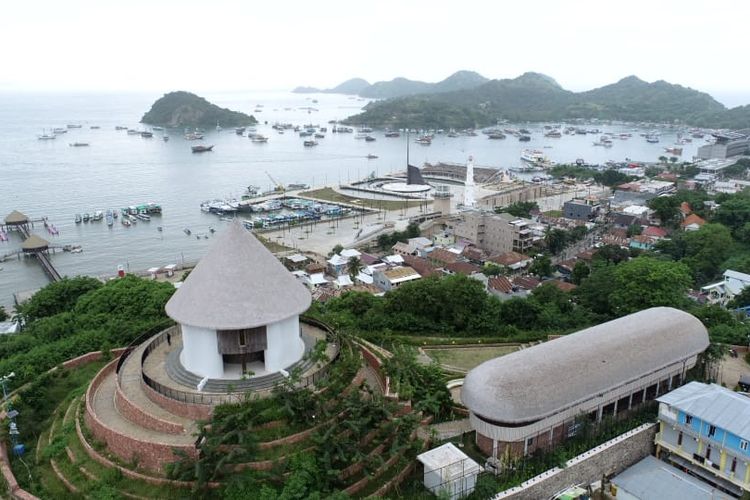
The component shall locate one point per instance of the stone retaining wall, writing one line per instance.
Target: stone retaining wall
(609, 458)
(138, 416)
(187, 410)
(150, 455)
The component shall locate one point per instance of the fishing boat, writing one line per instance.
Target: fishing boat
(524, 138)
(187, 231)
(78, 144)
(371, 156)
(146, 134)
(79, 219)
(125, 222)
(652, 138)
(132, 131)
(202, 149)
(309, 144)
(86, 217)
(98, 215)
(193, 136)
(259, 139)
(120, 127)
(157, 128)
(46, 137)
(425, 140)
(393, 133)
(110, 218)
(496, 135)
(58, 131)
(674, 150)
(165, 137)
(239, 130)
(321, 136)
(369, 138)
(73, 126)
(143, 217)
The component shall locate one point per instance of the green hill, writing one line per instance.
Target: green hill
(537, 97)
(184, 109)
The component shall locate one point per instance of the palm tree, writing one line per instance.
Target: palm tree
(355, 266)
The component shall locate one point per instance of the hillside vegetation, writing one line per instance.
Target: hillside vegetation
(184, 109)
(537, 97)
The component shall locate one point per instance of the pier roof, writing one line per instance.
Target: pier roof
(238, 284)
(34, 243)
(16, 217)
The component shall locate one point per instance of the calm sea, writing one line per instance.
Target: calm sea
(52, 179)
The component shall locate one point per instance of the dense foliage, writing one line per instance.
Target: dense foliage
(519, 208)
(387, 240)
(184, 109)
(60, 327)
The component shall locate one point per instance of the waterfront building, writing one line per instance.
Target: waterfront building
(727, 144)
(238, 310)
(535, 398)
(705, 429)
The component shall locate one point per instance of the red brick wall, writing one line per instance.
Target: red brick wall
(187, 410)
(90, 357)
(150, 455)
(141, 418)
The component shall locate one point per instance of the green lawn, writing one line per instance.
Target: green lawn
(468, 357)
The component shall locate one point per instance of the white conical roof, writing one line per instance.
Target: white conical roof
(238, 284)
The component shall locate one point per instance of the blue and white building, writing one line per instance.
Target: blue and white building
(705, 430)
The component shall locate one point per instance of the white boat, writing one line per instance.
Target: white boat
(46, 137)
(257, 138)
(533, 156)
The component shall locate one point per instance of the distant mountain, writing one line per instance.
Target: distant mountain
(537, 97)
(352, 87)
(184, 109)
(461, 80)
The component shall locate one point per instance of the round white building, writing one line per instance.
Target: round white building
(239, 310)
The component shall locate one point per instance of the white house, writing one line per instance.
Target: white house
(724, 291)
(239, 310)
(450, 471)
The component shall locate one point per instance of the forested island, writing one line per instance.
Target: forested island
(535, 97)
(185, 109)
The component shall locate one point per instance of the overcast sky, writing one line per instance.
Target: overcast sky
(213, 45)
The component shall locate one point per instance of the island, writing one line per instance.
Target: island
(185, 109)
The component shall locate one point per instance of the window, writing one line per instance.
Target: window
(529, 441)
(243, 342)
(679, 439)
(711, 430)
(688, 419)
(743, 445)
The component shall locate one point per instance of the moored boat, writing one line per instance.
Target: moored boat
(201, 148)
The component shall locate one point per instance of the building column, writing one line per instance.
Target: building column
(722, 460)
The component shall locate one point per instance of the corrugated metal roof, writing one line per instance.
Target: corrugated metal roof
(652, 479)
(239, 283)
(537, 382)
(714, 404)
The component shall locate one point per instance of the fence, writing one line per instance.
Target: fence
(201, 398)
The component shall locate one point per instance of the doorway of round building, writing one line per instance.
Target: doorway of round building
(246, 364)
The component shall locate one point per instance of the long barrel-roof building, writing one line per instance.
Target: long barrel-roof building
(531, 399)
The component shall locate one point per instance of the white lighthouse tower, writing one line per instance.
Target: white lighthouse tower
(469, 184)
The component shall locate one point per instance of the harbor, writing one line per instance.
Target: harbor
(120, 170)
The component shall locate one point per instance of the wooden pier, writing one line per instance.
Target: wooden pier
(32, 245)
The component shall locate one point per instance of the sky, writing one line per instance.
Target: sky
(216, 45)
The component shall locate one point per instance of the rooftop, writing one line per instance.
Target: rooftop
(713, 403)
(652, 479)
(538, 382)
(238, 284)
(452, 462)
(33, 243)
(16, 217)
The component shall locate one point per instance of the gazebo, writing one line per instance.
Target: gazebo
(239, 310)
(35, 244)
(16, 219)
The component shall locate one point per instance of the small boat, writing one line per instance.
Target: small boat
(202, 149)
(132, 131)
(157, 128)
(424, 140)
(86, 217)
(524, 138)
(309, 144)
(496, 135)
(320, 136)
(79, 219)
(532, 156)
(98, 215)
(143, 217)
(46, 137)
(110, 219)
(78, 144)
(166, 138)
(159, 228)
(369, 138)
(58, 131)
(74, 126)
(187, 231)
(94, 127)
(371, 156)
(125, 222)
(393, 134)
(259, 139)
(193, 136)
(147, 135)
(120, 127)
(239, 130)
(211, 230)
